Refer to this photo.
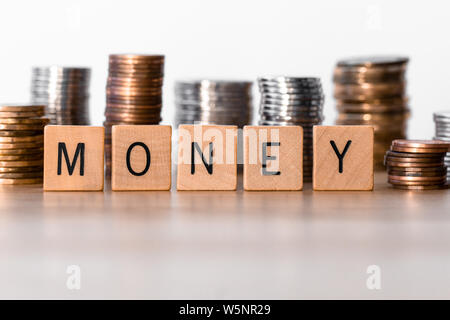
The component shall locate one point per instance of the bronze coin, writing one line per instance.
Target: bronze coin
(418, 150)
(20, 121)
(23, 175)
(24, 127)
(11, 164)
(425, 144)
(432, 187)
(440, 173)
(412, 155)
(21, 169)
(24, 133)
(21, 114)
(23, 145)
(37, 138)
(21, 151)
(416, 183)
(21, 181)
(21, 157)
(21, 108)
(417, 179)
(413, 164)
(418, 169)
(415, 160)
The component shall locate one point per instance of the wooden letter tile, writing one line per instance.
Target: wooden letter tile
(343, 158)
(273, 158)
(141, 157)
(73, 158)
(207, 157)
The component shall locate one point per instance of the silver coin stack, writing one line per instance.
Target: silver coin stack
(64, 91)
(293, 101)
(442, 132)
(213, 102)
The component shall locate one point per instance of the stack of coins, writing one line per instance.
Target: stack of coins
(372, 91)
(64, 91)
(417, 164)
(21, 143)
(293, 101)
(442, 121)
(133, 93)
(213, 102)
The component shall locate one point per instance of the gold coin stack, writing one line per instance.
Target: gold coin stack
(21, 143)
(133, 93)
(372, 91)
(417, 164)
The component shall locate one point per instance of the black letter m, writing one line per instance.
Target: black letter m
(62, 149)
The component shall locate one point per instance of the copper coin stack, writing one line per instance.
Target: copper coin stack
(133, 93)
(372, 91)
(21, 143)
(65, 93)
(417, 164)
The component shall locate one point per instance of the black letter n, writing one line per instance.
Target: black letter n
(62, 149)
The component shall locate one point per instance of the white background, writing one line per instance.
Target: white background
(231, 40)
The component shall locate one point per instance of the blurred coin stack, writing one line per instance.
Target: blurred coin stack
(213, 102)
(442, 121)
(65, 93)
(372, 91)
(293, 101)
(133, 93)
(417, 164)
(21, 143)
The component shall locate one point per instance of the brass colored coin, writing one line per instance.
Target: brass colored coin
(21, 181)
(21, 169)
(21, 108)
(418, 169)
(39, 138)
(418, 150)
(432, 187)
(418, 179)
(14, 164)
(21, 133)
(416, 160)
(38, 150)
(413, 164)
(26, 127)
(21, 114)
(425, 144)
(21, 145)
(24, 175)
(32, 121)
(21, 157)
(398, 172)
(412, 155)
(417, 183)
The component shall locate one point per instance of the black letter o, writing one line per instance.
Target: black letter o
(147, 153)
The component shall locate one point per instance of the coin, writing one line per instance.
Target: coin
(23, 175)
(20, 181)
(133, 92)
(21, 169)
(418, 150)
(399, 172)
(426, 144)
(431, 187)
(64, 91)
(18, 108)
(413, 164)
(11, 164)
(417, 179)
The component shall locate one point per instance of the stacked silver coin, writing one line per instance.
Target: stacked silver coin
(64, 91)
(213, 102)
(442, 132)
(293, 101)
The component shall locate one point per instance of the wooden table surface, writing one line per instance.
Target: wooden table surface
(219, 245)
